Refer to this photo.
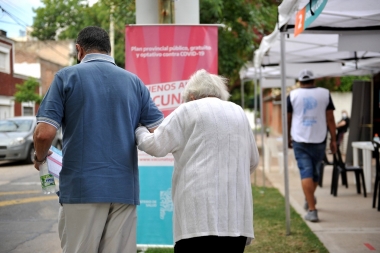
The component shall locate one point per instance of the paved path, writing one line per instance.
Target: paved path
(348, 223)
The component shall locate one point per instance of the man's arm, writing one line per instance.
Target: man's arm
(289, 127)
(332, 129)
(289, 109)
(151, 117)
(43, 137)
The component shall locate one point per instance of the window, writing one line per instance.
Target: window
(27, 111)
(5, 58)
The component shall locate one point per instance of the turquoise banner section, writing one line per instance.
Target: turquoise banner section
(317, 7)
(155, 212)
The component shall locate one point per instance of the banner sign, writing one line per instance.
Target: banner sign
(306, 16)
(164, 57)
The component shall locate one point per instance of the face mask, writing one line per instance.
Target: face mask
(344, 115)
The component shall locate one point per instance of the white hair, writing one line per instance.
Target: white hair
(203, 84)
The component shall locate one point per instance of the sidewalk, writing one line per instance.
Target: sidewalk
(348, 223)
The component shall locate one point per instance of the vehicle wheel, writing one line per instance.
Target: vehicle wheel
(30, 156)
(59, 145)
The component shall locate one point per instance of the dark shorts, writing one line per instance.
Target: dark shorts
(309, 158)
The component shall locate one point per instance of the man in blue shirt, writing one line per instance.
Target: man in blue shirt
(98, 105)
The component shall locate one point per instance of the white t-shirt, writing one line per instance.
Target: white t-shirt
(215, 153)
(309, 107)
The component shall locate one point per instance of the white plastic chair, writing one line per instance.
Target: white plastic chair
(273, 150)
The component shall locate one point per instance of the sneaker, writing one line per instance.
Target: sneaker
(306, 205)
(312, 216)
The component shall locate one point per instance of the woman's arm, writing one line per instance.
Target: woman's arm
(165, 139)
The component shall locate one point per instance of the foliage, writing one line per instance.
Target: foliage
(245, 22)
(347, 81)
(328, 83)
(340, 84)
(160, 250)
(26, 92)
(58, 16)
(63, 19)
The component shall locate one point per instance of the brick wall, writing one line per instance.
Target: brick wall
(272, 114)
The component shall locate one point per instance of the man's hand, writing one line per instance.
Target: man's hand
(290, 143)
(333, 146)
(43, 137)
(151, 130)
(37, 164)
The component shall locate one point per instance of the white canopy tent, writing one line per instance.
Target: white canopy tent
(343, 40)
(346, 32)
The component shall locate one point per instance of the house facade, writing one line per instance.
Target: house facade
(8, 81)
(20, 60)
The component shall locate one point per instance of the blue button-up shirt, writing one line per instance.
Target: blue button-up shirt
(98, 105)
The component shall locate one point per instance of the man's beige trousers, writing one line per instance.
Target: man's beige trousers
(97, 228)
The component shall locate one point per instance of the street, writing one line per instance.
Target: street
(28, 218)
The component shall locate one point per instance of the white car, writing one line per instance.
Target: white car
(16, 138)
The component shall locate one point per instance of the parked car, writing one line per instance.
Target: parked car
(16, 138)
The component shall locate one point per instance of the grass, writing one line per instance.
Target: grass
(158, 250)
(270, 227)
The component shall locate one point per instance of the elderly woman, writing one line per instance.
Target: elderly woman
(215, 153)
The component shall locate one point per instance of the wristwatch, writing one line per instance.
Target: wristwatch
(35, 158)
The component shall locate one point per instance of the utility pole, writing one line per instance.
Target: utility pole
(150, 12)
(112, 32)
(166, 12)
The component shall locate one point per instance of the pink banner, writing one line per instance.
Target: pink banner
(165, 56)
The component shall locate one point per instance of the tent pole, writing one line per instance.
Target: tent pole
(284, 131)
(254, 113)
(242, 92)
(262, 125)
(255, 106)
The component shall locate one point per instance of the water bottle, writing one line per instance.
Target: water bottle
(47, 179)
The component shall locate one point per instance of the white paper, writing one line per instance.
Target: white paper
(55, 161)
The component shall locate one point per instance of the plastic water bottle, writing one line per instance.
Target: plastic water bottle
(47, 179)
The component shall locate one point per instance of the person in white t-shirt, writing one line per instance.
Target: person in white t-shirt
(310, 109)
(214, 154)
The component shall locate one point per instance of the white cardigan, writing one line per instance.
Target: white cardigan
(215, 153)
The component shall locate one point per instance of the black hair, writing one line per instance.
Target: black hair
(311, 81)
(94, 38)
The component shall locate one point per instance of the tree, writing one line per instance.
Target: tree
(245, 22)
(63, 19)
(58, 18)
(26, 92)
(340, 84)
(346, 82)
